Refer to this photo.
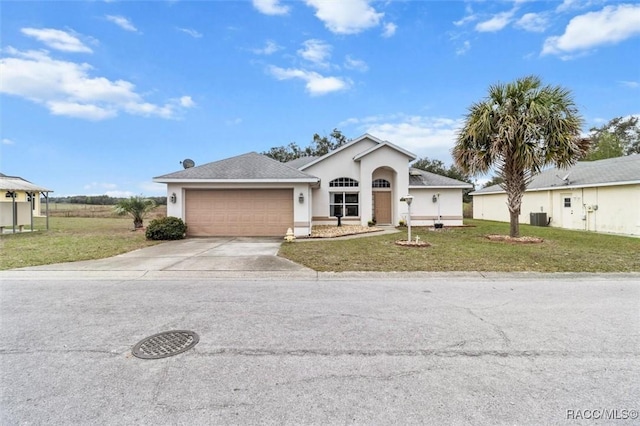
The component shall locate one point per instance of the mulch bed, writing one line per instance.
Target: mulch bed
(330, 231)
(509, 239)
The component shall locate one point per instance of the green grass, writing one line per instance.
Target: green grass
(456, 249)
(70, 239)
(467, 249)
(92, 210)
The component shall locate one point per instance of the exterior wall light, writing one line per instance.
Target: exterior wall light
(301, 198)
(173, 198)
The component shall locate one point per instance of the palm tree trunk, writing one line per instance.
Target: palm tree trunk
(514, 224)
(514, 185)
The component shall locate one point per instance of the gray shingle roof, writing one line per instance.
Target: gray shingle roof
(250, 166)
(418, 177)
(584, 173)
(15, 183)
(299, 162)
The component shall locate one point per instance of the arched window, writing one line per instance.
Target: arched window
(343, 182)
(381, 183)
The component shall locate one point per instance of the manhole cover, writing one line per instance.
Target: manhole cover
(167, 343)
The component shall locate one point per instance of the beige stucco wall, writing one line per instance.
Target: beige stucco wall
(24, 214)
(424, 212)
(610, 209)
(393, 164)
(339, 165)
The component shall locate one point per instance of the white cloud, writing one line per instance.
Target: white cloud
(316, 51)
(609, 26)
(317, 84)
(67, 88)
(355, 64)
(7, 141)
(151, 188)
(270, 48)
(533, 22)
(191, 32)
(122, 22)
(630, 84)
(466, 45)
(99, 185)
(389, 29)
(346, 16)
(234, 121)
(119, 194)
(57, 39)
(496, 23)
(270, 7)
(424, 136)
(567, 5)
(187, 102)
(465, 20)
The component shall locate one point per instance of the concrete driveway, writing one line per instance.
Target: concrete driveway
(234, 254)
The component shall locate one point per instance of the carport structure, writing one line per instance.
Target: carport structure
(20, 202)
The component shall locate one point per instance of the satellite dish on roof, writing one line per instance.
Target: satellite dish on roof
(187, 163)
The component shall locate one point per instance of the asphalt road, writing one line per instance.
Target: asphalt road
(326, 349)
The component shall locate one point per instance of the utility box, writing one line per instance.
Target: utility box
(538, 219)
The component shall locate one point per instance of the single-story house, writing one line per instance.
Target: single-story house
(363, 180)
(599, 196)
(20, 203)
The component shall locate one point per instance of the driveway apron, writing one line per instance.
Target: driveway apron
(193, 254)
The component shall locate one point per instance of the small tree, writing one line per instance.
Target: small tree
(138, 207)
(519, 129)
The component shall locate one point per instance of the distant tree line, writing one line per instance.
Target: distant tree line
(617, 138)
(320, 145)
(100, 200)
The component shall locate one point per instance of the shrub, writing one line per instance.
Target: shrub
(166, 228)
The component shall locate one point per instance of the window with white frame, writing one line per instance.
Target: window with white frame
(344, 182)
(381, 183)
(344, 203)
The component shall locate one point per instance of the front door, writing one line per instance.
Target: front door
(382, 207)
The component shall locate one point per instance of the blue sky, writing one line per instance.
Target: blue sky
(98, 97)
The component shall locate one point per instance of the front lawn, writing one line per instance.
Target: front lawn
(70, 239)
(467, 249)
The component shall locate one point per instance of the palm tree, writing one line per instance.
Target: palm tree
(519, 129)
(137, 206)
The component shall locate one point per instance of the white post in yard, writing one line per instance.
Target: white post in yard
(408, 199)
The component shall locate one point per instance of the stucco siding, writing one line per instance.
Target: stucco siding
(609, 209)
(336, 166)
(396, 164)
(424, 211)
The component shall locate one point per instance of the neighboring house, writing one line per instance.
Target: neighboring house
(600, 196)
(362, 180)
(19, 202)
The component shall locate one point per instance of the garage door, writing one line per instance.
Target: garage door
(243, 212)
